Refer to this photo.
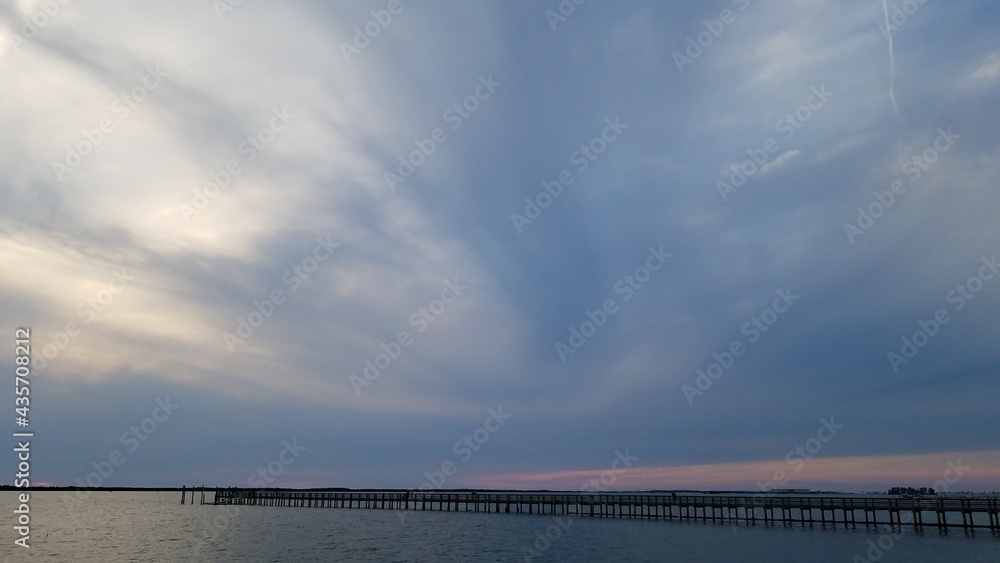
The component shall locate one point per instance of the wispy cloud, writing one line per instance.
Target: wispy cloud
(211, 205)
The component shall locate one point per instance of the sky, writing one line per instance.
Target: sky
(536, 245)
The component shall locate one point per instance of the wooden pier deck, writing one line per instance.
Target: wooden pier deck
(919, 513)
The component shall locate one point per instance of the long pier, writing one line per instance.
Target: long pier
(940, 513)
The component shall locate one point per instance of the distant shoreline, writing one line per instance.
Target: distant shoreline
(11, 488)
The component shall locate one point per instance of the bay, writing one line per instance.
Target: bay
(154, 526)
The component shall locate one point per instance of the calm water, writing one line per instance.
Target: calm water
(155, 527)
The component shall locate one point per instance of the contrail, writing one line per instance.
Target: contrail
(892, 58)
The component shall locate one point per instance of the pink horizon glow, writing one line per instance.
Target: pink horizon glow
(844, 473)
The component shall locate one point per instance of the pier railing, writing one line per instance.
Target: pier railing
(942, 513)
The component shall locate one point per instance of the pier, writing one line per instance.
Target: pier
(750, 509)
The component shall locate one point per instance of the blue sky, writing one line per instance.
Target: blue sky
(201, 209)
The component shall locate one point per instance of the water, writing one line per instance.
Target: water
(155, 527)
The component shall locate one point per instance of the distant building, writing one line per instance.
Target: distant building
(790, 491)
(911, 491)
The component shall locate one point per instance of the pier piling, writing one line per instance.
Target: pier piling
(784, 509)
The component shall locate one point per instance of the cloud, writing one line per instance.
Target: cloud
(987, 74)
(779, 161)
(858, 474)
(212, 201)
